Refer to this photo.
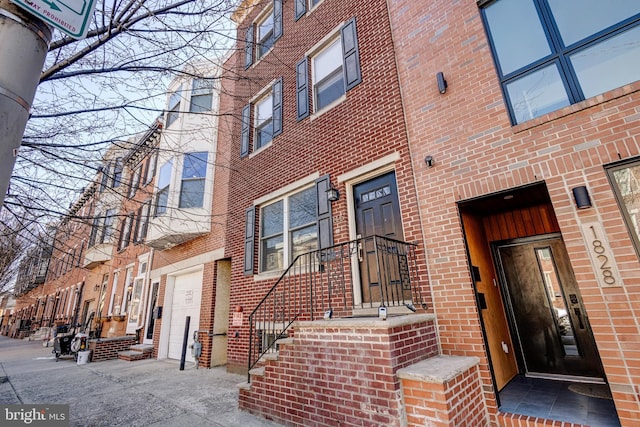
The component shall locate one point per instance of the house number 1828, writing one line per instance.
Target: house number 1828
(601, 256)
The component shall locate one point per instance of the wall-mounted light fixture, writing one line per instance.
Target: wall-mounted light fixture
(429, 161)
(96, 288)
(333, 194)
(442, 83)
(581, 195)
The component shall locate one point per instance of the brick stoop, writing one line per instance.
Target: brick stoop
(136, 352)
(339, 372)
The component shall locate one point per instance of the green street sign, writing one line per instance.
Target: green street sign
(69, 16)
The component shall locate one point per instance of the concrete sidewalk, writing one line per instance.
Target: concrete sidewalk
(119, 393)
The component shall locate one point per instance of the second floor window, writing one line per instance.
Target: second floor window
(194, 172)
(553, 53)
(107, 229)
(264, 122)
(328, 81)
(164, 180)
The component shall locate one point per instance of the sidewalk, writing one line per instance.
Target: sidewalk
(119, 393)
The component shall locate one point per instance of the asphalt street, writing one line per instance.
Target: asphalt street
(120, 393)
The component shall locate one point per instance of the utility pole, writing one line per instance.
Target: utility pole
(24, 42)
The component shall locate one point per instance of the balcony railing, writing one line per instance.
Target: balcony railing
(319, 284)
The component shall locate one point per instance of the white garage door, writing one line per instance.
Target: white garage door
(186, 302)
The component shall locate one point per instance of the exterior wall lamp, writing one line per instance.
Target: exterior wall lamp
(581, 196)
(333, 194)
(442, 83)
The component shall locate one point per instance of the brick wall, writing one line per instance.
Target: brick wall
(478, 152)
(341, 372)
(368, 125)
(443, 391)
(108, 348)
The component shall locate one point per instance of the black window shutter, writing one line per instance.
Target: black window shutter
(351, 57)
(246, 128)
(249, 231)
(248, 48)
(277, 107)
(301, 9)
(324, 218)
(277, 19)
(302, 89)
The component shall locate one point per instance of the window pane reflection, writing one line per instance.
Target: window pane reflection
(537, 93)
(609, 64)
(515, 24)
(556, 299)
(578, 19)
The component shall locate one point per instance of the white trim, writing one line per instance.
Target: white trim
(281, 192)
(377, 167)
(163, 341)
(179, 267)
(326, 40)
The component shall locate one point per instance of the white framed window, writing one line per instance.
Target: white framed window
(267, 118)
(328, 80)
(201, 95)
(264, 34)
(335, 69)
(261, 35)
(173, 110)
(128, 286)
(194, 172)
(301, 7)
(152, 161)
(114, 289)
(288, 228)
(164, 180)
(263, 121)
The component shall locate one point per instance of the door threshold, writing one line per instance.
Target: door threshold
(560, 377)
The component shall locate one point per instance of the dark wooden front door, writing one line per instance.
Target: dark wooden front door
(377, 213)
(546, 310)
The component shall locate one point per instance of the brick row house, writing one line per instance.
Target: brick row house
(405, 213)
(501, 138)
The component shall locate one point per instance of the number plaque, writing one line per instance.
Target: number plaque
(604, 264)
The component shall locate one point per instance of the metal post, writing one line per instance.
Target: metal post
(25, 42)
(184, 342)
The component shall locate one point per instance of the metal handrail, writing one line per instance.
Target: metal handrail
(320, 284)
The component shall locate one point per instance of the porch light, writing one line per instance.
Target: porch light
(442, 83)
(581, 196)
(333, 194)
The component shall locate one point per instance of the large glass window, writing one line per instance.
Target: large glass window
(552, 53)
(287, 229)
(328, 79)
(164, 179)
(626, 184)
(194, 172)
(264, 121)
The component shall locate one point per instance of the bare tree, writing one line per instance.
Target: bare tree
(103, 90)
(12, 245)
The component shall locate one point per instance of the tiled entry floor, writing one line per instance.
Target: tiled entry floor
(553, 400)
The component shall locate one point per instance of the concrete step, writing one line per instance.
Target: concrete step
(143, 348)
(131, 356)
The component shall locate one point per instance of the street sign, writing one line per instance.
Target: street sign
(69, 16)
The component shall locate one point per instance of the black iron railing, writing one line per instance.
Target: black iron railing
(319, 284)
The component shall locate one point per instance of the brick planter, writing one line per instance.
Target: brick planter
(108, 348)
